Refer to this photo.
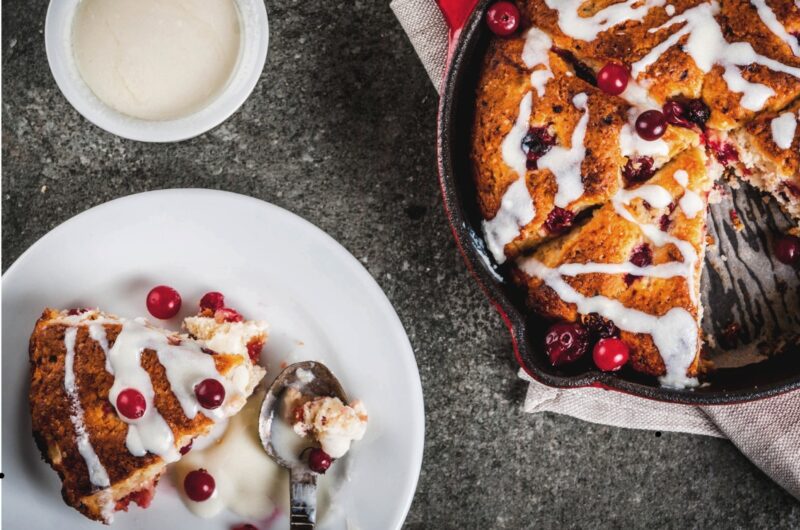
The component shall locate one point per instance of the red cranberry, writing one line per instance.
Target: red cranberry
(599, 326)
(610, 354)
(210, 393)
(651, 125)
(638, 170)
(503, 18)
(199, 485)
(675, 113)
(318, 460)
(208, 351)
(254, 348)
(186, 448)
(566, 343)
(665, 220)
(559, 220)
(698, 112)
(725, 152)
(212, 301)
(163, 302)
(536, 144)
(613, 79)
(226, 314)
(642, 255)
(76, 311)
(787, 249)
(245, 526)
(131, 403)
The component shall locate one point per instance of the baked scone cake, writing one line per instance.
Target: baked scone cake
(635, 262)
(113, 401)
(564, 145)
(583, 117)
(769, 148)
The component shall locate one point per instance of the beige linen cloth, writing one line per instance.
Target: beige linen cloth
(767, 431)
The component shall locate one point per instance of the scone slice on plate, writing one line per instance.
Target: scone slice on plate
(769, 148)
(113, 401)
(636, 262)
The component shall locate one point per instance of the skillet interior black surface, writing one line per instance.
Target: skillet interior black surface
(776, 375)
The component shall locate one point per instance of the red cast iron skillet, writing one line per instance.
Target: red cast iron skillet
(468, 39)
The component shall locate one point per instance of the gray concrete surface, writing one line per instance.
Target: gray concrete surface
(340, 130)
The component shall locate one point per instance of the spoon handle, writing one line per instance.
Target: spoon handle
(303, 499)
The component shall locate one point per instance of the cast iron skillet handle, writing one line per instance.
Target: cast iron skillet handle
(303, 509)
(456, 13)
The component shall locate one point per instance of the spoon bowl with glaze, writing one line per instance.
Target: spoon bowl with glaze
(312, 379)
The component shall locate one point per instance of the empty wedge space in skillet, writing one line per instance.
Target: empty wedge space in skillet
(635, 262)
(81, 365)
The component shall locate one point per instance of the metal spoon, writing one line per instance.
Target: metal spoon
(303, 486)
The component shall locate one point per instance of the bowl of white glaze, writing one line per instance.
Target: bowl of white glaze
(252, 54)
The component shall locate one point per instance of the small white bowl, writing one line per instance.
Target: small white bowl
(252, 56)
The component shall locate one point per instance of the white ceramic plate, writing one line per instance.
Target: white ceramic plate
(270, 264)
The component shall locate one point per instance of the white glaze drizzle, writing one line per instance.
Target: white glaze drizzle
(97, 472)
(630, 143)
(576, 26)
(674, 334)
(185, 365)
(770, 20)
(511, 148)
(707, 47)
(565, 163)
(150, 433)
(516, 207)
(98, 334)
(690, 203)
(654, 233)
(535, 53)
(783, 129)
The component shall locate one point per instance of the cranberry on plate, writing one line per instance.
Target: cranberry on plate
(199, 485)
(503, 18)
(226, 314)
(212, 300)
(131, 403)
(163, 302)
(610, 354)
(566, 343)
(613, 79)
(209, 393)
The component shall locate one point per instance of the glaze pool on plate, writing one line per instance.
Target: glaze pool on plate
(269, 263)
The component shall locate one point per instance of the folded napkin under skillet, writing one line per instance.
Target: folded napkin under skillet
(766, 431)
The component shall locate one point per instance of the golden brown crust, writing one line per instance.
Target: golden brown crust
(608, 238)
(759, 132)
(53, 429)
